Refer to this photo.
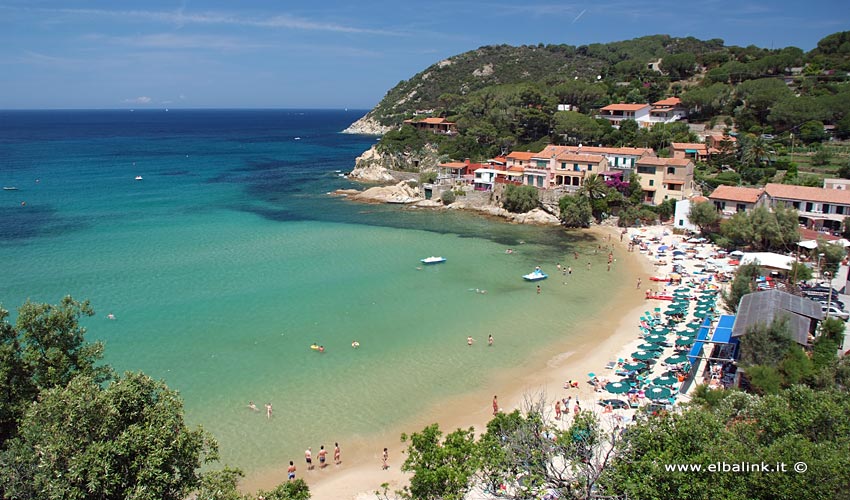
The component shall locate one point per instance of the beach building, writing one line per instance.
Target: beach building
(729, 200)
(718, 142)
(820, 209)
(616, 113)
(665, 178)
(667, 111)
(695, 151)
(568, 169)
(803, 314)
(435, 125)
(622, 159)
(683, 208)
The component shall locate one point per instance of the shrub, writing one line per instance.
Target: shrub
(448, 197)
(520, 199)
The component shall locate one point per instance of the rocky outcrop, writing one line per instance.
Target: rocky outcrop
(536, 216)
(399, 193)
(370, 167)
(373, 166)
(367, 126)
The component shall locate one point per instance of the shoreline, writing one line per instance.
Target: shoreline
(543, 373)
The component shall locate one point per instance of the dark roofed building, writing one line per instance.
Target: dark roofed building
(763, 307)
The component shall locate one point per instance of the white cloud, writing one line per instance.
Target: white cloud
(175, 42)
(142, 99)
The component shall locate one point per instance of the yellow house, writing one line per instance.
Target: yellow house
(665, 178)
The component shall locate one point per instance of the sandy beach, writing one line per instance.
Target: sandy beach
(597, 341)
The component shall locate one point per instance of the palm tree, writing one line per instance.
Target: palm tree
(593, 187)
(755, 150)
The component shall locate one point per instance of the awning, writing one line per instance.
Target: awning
(696, 349)
(723, 332)
(810, 244)
(690, 151)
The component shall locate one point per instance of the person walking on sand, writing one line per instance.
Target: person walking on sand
(290, 472)
(495, 405)
(308, 457)
(268, 410)
(558, 410)
(323, 455)
(384, 458)
(337, 459)
(638, 284)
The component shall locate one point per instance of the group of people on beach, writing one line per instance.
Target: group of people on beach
(308, 458)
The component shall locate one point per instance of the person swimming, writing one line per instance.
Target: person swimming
(355, 344)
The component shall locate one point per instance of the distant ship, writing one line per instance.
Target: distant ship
(138, 177)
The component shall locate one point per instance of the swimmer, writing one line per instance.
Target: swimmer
(321, 348)
(252, 406)
(268, 410)
(469, 340)
(490, 339)
(110, 316)
(355, 344)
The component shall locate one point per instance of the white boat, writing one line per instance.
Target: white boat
(138, 177)
(536, 275)
(432, 260)
(9, 188)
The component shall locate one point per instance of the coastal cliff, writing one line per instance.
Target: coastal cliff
(374, 166)
(367, 125)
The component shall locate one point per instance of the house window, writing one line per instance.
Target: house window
(542, 164)
(633, 162)
(671, 170)
(651, 182)
(740, 207)
(839, 210)
(825, 208)
(563, 165)
(576, 167)
(589, 167)
(646, 170)
(809, 206)
(540, 182)
(796, 205)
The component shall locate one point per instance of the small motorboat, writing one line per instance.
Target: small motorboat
(10, 188)
(432, 260)
(138, 177)
(536, 275)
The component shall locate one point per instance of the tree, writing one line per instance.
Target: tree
(46, 348)
(679, 66)
(832, 256)
(766, 344)
(441, 470)
(575, 211)
(520, 199)
(127, 440)
(290, 490)
(576, 127)
(593, 187)
(812, 131)
(742, 284)
(703, 215)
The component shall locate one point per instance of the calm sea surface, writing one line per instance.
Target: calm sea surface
(228, 260)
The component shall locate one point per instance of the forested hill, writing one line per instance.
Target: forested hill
(622, 68)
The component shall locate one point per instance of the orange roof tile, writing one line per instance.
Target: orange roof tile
(521, 155)
(453, 164)
(431, 121)
(567, 156)
(688, 145)
(664, 162)
(516, 168)
(736, 193)
(805, 193)
(699, 199)
(670, 101)
(553, 150)
(625, 107)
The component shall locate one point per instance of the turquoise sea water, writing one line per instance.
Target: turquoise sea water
(228, 260)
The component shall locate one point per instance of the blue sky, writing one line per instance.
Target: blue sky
(328, 53)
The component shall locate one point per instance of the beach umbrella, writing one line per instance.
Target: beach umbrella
(660, 330)
(617, 387)
(645, 355)
(657, 309)
(655, 339)
(676, 359)
(678, 252)
(656, 393)
(695, 325)
(632, 367)
(684, 341)
(665, 381)
(649, 347)
(591, 375)
(663, 248)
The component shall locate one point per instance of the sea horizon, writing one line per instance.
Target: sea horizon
(229, 258)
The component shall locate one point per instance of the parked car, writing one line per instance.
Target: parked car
(834, 302)
(836, 312)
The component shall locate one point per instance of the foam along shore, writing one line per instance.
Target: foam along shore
(595, 341)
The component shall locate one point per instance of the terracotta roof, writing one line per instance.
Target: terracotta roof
(688, 145)
(723, 137)
(664, 162)
(670, 101)
(521, 155)
(625, 107)
(674, 181)
(516, 168)
(805, 193)
(431, 121)
(736, 193)
(453, 164)
(552, 149)
(699, 199)
(566, 156)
